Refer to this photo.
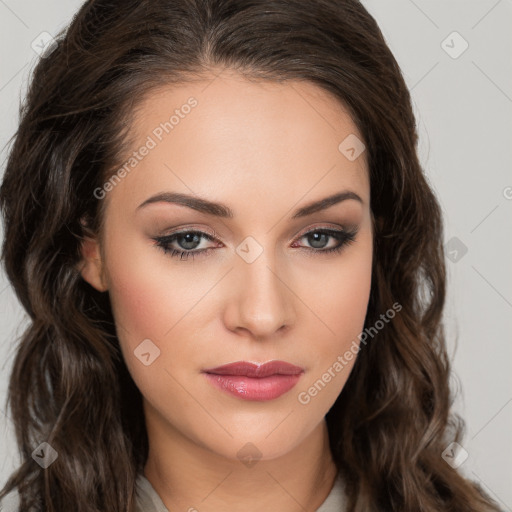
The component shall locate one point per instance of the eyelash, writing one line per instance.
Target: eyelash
(345, 237)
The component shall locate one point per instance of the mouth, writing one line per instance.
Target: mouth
(257, 382)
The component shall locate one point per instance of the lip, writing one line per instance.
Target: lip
(257, 382)
(256, 370)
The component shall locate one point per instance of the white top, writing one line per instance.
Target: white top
(149, 501)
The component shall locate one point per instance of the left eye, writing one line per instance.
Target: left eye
(188, 242)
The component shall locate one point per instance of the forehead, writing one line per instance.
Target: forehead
(253, 138)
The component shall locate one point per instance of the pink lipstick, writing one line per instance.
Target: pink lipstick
(250, 381)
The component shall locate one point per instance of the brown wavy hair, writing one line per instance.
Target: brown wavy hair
(69, 384)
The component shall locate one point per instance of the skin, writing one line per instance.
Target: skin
(263, 149)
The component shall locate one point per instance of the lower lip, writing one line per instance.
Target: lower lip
(250, 388)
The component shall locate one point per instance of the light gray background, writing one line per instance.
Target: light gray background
(463, 107)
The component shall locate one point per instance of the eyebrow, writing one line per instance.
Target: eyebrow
(223, 211)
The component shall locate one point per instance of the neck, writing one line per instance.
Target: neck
(190, 477)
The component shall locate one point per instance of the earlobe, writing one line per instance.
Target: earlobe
(91, 265)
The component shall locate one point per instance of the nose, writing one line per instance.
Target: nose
(261, 301)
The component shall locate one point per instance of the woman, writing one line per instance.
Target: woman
(216, 219)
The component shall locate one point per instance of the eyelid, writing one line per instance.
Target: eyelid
(206, 232)
(327, 226)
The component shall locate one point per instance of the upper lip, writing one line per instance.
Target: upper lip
(256, 370)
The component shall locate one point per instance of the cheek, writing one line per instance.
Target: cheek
(154, 299)
(143, 296)
(350, 295)
(139, 302)
(149, 295)
(339, 295)
(339, 298)
(148, 306)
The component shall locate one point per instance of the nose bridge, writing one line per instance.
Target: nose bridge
(262, 302)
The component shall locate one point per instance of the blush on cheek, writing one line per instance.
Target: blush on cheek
(137, 309)
(349, 314)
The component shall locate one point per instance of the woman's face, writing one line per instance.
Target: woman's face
(256, 282)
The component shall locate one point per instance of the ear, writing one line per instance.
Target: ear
(91, 266)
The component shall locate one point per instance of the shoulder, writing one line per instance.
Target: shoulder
(147, 498)
(10, 502)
